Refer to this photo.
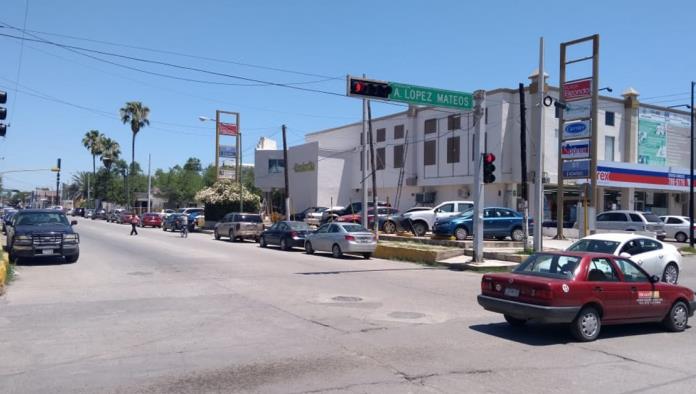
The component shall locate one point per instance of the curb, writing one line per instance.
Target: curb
(4, 269)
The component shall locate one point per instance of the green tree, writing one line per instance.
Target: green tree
(111, 150)
(93, 142)
(135, 114)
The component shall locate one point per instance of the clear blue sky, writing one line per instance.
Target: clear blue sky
(449, 44)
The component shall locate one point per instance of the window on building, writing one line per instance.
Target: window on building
(454, 122)
(381, 135)
(609, 118)
(398, 156)
(429, 152)
(380, 158)
(398, 132)
(430, 126)
(276, 166)
(453, 150)
(608, 148)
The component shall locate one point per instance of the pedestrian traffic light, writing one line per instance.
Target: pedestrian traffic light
(3, 113)
(368, 88)
(488, 168)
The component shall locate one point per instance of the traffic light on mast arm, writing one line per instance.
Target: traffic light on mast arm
(368, 88)
(3, 113)
(488, 168)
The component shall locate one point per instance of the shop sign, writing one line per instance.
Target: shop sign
(578, 149)
(575, 130)
(577, 110)
(575, 169)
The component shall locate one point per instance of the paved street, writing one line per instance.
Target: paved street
(160, 314)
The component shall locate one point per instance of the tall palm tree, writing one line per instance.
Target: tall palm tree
(111, 151)
(135, 113)
(93, 142)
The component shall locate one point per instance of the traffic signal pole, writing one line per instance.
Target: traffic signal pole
(479, 108)
(363, 183)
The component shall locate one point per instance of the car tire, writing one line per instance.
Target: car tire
(515, 322)
(336, 251)
(367, 255)
(232, 237)
(72, 259)
(389, 227)
(420, 229)
(671, 274)
(680, 237)
(284, 244)
(500, 238)
(217, 236)
(461, 233)
(262, 242)
(517, 234)
(587, 325)
(308, 247)
(661, 238)
(677, 318)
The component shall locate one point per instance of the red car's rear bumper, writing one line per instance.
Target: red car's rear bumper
(525, 311)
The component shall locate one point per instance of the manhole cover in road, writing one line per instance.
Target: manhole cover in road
(406, 315)
(346, 299)
(140, 273)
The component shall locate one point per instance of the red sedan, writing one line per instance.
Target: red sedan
(151, 219)
(585, 290)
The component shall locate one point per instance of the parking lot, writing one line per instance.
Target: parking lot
(158, 313)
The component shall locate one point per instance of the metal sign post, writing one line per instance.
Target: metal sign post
(479, 147)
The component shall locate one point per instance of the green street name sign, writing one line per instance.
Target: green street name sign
(428, 96)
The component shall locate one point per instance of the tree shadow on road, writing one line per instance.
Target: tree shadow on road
(361, 271)
(40, 261)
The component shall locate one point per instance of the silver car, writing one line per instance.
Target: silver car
(340, 238)
(239, 226)
(677, 227)
(631, 221)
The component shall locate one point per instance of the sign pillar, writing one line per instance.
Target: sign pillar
(479, 110)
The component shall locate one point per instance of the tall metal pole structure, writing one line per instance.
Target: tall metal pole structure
(363, 214)
(373, 175)
(691, 173)
(287, 183)
(149, 183)
(539, 165)
(239, 165)
(523, 166)
(217, 144)
(479, 110)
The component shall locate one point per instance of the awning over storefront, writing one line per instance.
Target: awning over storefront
(616, 174)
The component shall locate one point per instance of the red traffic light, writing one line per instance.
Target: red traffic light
(369, 88)
(358, 87)
(488, 158)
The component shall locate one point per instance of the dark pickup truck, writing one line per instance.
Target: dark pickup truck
(42, 232)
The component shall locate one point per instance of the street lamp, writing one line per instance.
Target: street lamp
(607, 88)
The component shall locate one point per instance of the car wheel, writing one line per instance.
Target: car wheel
(164, 229)
(389, 227)
(515, 322)
(500, 238)
(308, 248)
(217, 236)
(517, 234)
(367, 255)
(256, 239)
(262, 242)
(586, 325)
(336, 251)
(420, 228)
(677, 318)
(671, 274)
(284, 244)
(461, 233)
(680, 237)
(232, 237)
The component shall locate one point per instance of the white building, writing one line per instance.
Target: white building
(427, 154)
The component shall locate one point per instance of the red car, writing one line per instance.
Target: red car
(585, 290)
(125, 217)
(151, 219)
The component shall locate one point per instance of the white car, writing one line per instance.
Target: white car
(423, 221)
(655, 257)
(677, 227)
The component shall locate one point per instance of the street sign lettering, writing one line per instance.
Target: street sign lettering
(577, 90)
(578, 149)
(575, 169)
(429, 96)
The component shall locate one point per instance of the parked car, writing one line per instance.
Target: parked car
(382, 214)
(314, 218)
(301, 216)
(170, 223)
(190, 210)
(239, 226)
(151, 219)
(114, 215)
(355, 207)
(89, 213)
(124, 217)
(42, 232)
(655, 257)
(340, 238)
(165, 213)
(422, 221)
(78, 212)
(99, 214)
(498, 223)
(631, 221)
(586, 291)
(286, 234)
(677, 227)
(330, 214)
(7, 215)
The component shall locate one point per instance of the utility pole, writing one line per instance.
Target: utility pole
(523, 166)
(149, 182)
(539, 168)
(374, 177)
(58, 183)
(363, 214)
(287, 184)
(691, 173)
(241, 166)
(479, 110)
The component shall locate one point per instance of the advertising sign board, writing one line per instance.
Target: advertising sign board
(229, 151)
(228, 129)
(577, 110)
(575, 169)
(576, 130)
(579, 89)
(577, 149)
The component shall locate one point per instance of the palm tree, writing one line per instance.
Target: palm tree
(135, 113)
(93, 142)
(111, 150)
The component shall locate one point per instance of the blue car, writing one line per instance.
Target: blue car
(498, 223)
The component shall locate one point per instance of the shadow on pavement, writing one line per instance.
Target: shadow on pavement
(359, 271)
(40, 261)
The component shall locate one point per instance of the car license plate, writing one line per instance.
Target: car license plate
(512, 292)
(47, 251)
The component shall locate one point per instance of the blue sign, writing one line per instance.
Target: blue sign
(575, 169)
(229, 151)
(576, 130)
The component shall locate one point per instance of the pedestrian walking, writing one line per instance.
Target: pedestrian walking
(134, 223)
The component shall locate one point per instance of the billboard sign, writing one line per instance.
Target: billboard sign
(579, 89)
(226, 173)
(576, 130)
(578, 149)
(576, 169)
(228, 129)
(229, 151)
(577, 110)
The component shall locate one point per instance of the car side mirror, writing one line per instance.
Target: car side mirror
(625, 255)
(73, 223)
(654, 279)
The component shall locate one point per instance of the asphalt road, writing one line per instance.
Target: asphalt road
(160, 314)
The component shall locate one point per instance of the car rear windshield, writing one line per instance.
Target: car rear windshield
(41, 218)
(355, 228)
(651, 217)
(301, 226)
(594, 245)
(549, 265)
(249, 218)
